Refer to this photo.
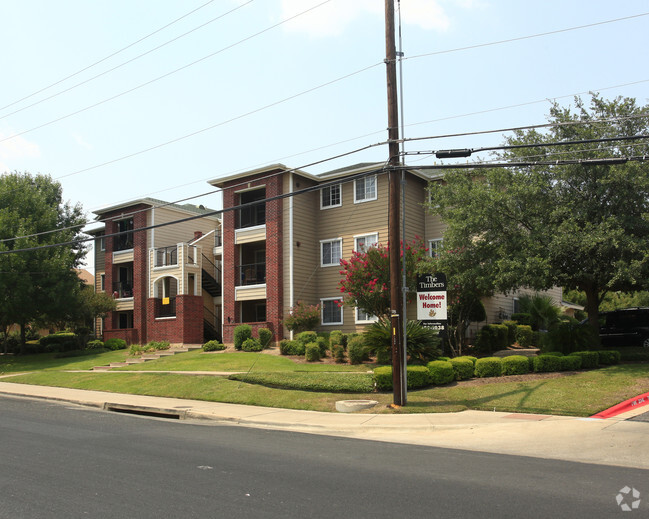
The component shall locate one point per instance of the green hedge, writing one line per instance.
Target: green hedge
(546, 363)
(213, 346)
(382, 377)
(356, 350)
(589, 359)
(310, 381)
(463, 367)
(251, 344)
(524, 335)
(265, 335)
(312, 352)
(287, 347)
(115, 344)
(95, 344)
(338, 353)
(306, 337)
(515, 365)
(441, 372)
(241, 333)
(570, 363)
(58, 342)
(634, 355)
(511, 331)
(608, 357)
(418, 376)
(488, 367)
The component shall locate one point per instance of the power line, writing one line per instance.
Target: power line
(113, 69)
(166, 75)
(107, 57)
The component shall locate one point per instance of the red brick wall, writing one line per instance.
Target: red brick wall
(185, 328)
(274, 263)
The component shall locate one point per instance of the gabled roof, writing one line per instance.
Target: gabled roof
(153, 202)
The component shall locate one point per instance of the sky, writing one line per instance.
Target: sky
(125, 99)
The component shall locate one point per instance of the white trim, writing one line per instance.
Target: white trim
(332, 240)
(357, 236)
(373, 319)
(250, 188)
(322, 301)
(340, 197)
(369, 199)
(430, 245)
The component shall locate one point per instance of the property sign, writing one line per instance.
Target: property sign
(431, 300)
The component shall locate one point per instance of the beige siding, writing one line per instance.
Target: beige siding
(98, 274)
(180, 232)
(414, 208)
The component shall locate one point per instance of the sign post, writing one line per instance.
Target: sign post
(432, 301)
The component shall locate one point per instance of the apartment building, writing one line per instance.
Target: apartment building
(285, 231)
(161, 263)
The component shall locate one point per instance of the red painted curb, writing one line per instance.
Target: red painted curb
(623, 407)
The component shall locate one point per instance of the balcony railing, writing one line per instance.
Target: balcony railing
(218, 238)
(165, 310)
(252, 216)
(251, 274)
(124, 241)
(166, 256)
(122, 289)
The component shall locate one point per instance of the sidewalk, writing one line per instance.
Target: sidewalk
(613, 441)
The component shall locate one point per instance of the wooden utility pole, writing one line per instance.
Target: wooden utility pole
(396, 310)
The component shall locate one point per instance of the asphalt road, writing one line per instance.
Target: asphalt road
(66, 461)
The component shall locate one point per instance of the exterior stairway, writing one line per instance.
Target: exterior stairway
(176, 348)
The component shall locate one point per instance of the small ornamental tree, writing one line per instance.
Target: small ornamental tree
(302, 317)
(366, 277)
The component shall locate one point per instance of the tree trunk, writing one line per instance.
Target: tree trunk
(592, 306)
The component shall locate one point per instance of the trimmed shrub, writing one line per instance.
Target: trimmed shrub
(418, 376)
(94, 345)
(473, 359)
(306, 337)
(213, 346)
(336, 337)
(136, 349)
(115, 344)
(589, 359)
(608, 357)
(567, 336)
(524, 335)
(338, 353)
(322, 344)
(312, 352)
(287, 347)
(487, 340)
(522, 318)
(384, 357)
(555, 353)
(383, 378)
(546, 363)
(158, 345)
(58, 342)
(570, 362)
(356, 350)
(630, 355)
(251, 344)
(511, 331)
(488, 367)
(441, 372)
(241, 333)
(515, 365)
(444, 358)
(463, 368)
(265, 335)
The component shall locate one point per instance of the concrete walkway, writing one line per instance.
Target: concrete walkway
(613, 441)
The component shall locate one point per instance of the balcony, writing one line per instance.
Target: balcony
(122, 289)
(251, 274)
(165, 307)
(166, 256)
(175, 256)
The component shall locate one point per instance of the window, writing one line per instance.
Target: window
(332, 312)
(516, 308)
(330, 197)
(102, 282)
(125, 237)
(365, 189)
(331, 251)
(363, 243)
(102, 243)
(363, 317)
(435, 247)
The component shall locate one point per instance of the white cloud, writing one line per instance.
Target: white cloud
(15, 148)
(332, 18)
(79, 140)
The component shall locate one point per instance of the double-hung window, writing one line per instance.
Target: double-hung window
(363, 317)
(331, 252)
(330, 196)
(435, 247)
(365, 189)
(332, 312)
(364, 242)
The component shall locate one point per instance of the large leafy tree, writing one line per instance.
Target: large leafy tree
(582, 225)
(37, 285)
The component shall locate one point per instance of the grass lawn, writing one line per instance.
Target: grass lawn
(581, 394)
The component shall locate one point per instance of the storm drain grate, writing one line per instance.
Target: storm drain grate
(155, 412)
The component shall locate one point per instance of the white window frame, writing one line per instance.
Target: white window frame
(374, 235)
(102, 282)
(102, 243)
(439, 243)
(331, 205)
(365, 197)
(322, 311)
(322, 256)
(367, 318)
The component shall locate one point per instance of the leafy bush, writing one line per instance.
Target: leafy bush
(568, 335)
(502, 336)
(547, 363)
(312, 352)
(423, 343)
(463, 368)
(337, 337)
(310, 381)
(444, 358)
(322, 344)
(157, 345)
(306, 337)
(418, 376)
(634, 355)
(487, 340)
(515, 365)
(95, 344)
(338, 353)
(441, 372)
(473, 359)
(356, 350)
(488, 367)
(58, 342)
(511, 331)
(287, 347)
(251, 344)
(589, 359)
(241, 333)
(522, 318)
(542, 309)
(213, 346)
(136, 349)
(524, 335)
(265, 335)
(384, 357)
(608, 357)
(555, 353)
(115, 344)
(570, 362)
(302, 317)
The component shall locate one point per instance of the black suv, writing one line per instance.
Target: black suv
(625, 327)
